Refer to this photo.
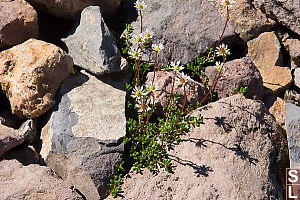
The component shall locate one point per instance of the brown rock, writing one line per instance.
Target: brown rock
(25, 155)
(236, 74)
(32, 182)
(30, 75)
(276, 107)
(72, 8)
(10, 138)
(266, 55)
(195, 91)
(297, 77)
(18, 22)
(293, 47)
(235, 154)
(247, 21)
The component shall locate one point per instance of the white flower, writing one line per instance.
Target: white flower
(138, 39)
(140, 5)
(138, 92)
(152, 86)
(182, 80)
(219, 65)
(222, 50)
(227, 3)
(143, 105)
(134, 53)
(157, 47)
(148, 34)
(176, 66)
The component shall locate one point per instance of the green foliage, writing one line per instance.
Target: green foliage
(240, 90)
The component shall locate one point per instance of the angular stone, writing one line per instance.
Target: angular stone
(92, 46)
(71, 9)
(266, 55)
(186, 28)
(276, 107)
(236, 74)
(18, 22)
(30, 75)
(292, 124)
(32, 182)
(10, 138)
(247, 21)
(287, 12)
(83, 140)
(292, 96)
(8, 119)
(239, 138)
(293, 47)
(164, 80)
(297, 77)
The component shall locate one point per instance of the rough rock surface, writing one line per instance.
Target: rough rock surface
(26, 155)
(92, 45)
(32, 182)
(239, 138)
(18, 22)
(186, 28)
(237, 73)
(287, 12)
(10, 138)
(292, 96)
(30, 75)
(83, 140)
(266, 55)
(164, 80)
(247, 21)
(292, 124)
(72, 8)
(276, 107)
(297, 77)
(293, 47)
(8, 119)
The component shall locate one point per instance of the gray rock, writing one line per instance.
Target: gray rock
(92, 45)
(164, 80)
(71, 9)
(10, 138)
(292, 124)
(83, 140)
(237, 73)
(235, 154)
(18, 22)
(297, 77)
(186, 28)
(32, 182)
(286, 12)
(292, 96)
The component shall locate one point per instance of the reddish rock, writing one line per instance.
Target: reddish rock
(293, 47)
(71, 9)
(236, 74)
(195, 91)
(30, 75)
(236, 154)
(32, 182)
(276, 107)
(18, 22)
(266, 55)
(25, 155)
(297, 77)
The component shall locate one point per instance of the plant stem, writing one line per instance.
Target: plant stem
(223, 29)
(141, 21)
(173, 84)
(155, 66)
(139, 126)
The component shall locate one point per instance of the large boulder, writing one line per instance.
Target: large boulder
(287, 12)
(30, 75)
(32, 182)
(71, 9)
(10, 138)
(292, 124)
(83, 140)
(247, 21)
(195, 91)
(267, 57)
(92, 46)
(18, 22)
(186, 28)
(235, 154)
(236, 74)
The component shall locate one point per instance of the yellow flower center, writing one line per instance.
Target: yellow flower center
(135, 54)
(140, 6)
(222, 50)
(138, 39)
(143, 106)
(176, 67)
(148, 35)
(138, 93)
(227, 3)
(152, 87)
(182, 80)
